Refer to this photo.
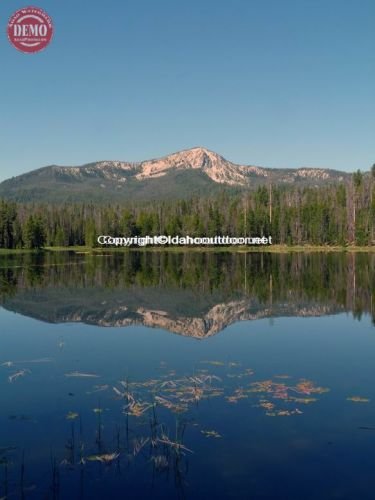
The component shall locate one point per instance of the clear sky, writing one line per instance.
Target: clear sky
(279, 83)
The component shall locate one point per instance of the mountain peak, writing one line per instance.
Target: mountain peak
(213, 165)
(201, 157)
(201, 151)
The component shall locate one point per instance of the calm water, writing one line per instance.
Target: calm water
(156, 375)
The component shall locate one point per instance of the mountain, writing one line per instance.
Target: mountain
(179, 175)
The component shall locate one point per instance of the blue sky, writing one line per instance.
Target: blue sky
(268, 82)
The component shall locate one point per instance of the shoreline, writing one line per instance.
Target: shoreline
(201, 249)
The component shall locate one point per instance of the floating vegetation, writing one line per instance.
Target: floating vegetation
(9, 364)
(304, 401)
(284, 394)
(177, 408)
(136, 408)
(214, 363)
(71, 415)
(283, 413)
(211, 434)
(267, 405)
(81, 375)
(358, 399)
(280, 390)
(150, 405)
(17, 375)
(37, 361)
(263, 386)
(247, 373)
(237, 395)
(105, 458)
(178, 395)
(174, 394)
(148, 383)
(308, 387)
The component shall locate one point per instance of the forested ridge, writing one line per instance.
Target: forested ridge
(342, 214)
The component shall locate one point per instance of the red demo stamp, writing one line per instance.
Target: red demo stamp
(30, 29)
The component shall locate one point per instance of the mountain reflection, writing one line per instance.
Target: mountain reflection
(196, 294)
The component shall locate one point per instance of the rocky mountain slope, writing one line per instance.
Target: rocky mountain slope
(181, 174)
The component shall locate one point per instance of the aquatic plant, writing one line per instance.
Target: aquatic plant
(81, 375)
(358, 399)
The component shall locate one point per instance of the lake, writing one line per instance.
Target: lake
(187, 375)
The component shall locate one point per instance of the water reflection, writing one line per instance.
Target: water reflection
(154, 415)
(193, 294)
